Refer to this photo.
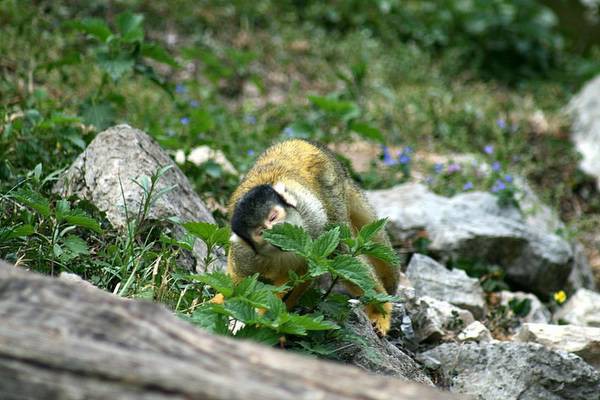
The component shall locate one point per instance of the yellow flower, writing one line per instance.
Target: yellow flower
(560, 296)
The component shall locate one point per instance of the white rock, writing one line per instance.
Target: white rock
(581, 340)
(585, 110)
(583, 308)
(476, 331)
(202, 154)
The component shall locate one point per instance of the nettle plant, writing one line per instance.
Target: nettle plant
(252, 309)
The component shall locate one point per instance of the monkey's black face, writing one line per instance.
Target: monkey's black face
(259, 209)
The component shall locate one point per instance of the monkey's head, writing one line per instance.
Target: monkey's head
(259, 209)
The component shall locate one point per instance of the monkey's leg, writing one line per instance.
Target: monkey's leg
(361, 214)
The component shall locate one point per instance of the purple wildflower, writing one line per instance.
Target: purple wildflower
(387, 157)
(496, 166)
(438, 167)
(501, 123)
(184, 120)
(508, 178)
(498, 186)
(194, 103)
(288, 131)
(489, 149)
(454, 167)
(404, 159)
(250, 152)
(468, 186)
(180, 88)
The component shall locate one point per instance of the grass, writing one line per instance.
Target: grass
(235, 80)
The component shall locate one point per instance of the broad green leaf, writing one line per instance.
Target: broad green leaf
(381, 252)
(208, 318)
(130, 27)
(20, 231)
(241, 310)
(367, 232)
(33, 200)
(289, 238)
(258, 334)
(117, 66)
(62, 208)
(79, 218)
(94, 27)
(367, 131)
(158, 53)
(325, 244)
(300, 324)
(334, 106)
(318, 267)
(76, 245)
(202, 230)
(353, 270)
(219, 281)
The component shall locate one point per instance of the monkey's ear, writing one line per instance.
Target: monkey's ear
(279, 187)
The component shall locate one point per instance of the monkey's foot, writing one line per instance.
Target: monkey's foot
(381, 321)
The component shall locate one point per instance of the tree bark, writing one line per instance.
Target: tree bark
(64, 340)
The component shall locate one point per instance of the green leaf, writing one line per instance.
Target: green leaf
(130, 27)
(258, 334)
(241, 310)
(353, 270)
(335, 106)
(79, 218)
(326, 243)
(219, 281)
(158, 53)
(367, 232)
(300, 324)
(76, 245)
(94, 27)
(20, 231)
(289, 237)
(115, 66)
(210, 233)
(367, 131)
(381, 252)
(208, 318)
(100, 115)
(62, 208)
(201, 120)
(33, 200)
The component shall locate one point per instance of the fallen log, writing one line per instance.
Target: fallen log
(63, 340)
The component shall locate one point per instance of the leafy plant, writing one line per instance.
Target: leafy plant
(252, 309)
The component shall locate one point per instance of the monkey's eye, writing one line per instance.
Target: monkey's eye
(273, 216)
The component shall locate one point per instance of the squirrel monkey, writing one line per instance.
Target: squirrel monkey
(301, 183)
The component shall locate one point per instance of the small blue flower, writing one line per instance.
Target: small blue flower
(184, 120)
(407, 150)
(438, 167)
(250, 119)
(250, 152)
(288, 131)
(508, 178)
(468, 186)
(489, 149)
(454, 167)
(498, 186)
(496, 166)
(404, 159)
(180, 88)
(194, 103)
(501, 123)
(387, 157)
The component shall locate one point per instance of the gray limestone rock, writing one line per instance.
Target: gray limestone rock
(514, 371)
(105, 172)
(583, 308)
(430, 278)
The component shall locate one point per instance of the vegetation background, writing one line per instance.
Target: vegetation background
(403, 89)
